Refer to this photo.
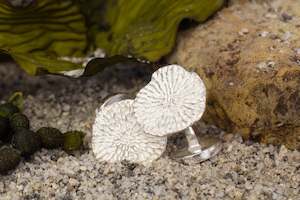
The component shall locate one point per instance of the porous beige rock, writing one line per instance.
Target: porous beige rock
(249, 58)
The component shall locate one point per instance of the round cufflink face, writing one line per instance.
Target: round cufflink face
(118, 136)
(172, 101)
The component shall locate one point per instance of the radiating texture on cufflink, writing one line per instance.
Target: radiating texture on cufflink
(172, 101)
(117, 136)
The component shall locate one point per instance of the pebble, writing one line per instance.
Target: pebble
(271, 16)
(286, 36)
(263, 34)
(286, 17)
(243, 31)
(73, 182)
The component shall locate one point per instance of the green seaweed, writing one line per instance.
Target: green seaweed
(51, 137)
(39, 36)
(42, 63)
(73, 140)
(17, 100)
(147, 29)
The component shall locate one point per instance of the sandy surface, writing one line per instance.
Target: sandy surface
(243, 170)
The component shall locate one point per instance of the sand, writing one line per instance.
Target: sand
(242, 170)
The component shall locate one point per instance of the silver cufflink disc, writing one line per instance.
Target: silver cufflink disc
(118, 136)
(136, 129)
(172, 102)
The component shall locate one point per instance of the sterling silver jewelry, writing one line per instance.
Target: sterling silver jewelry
(171, 102)
(137, 130)
(117, 136)
(197, 151)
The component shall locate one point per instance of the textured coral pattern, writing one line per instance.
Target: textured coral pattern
(172, 101)
(117, 136)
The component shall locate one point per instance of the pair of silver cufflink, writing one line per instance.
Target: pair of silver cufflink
(137, 129)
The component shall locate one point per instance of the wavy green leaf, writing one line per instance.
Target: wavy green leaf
(56, 27)
(147, 29)
(37, 64)
(39, 36)
(17, 100)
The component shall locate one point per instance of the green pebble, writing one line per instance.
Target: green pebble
(18, 120)
(4, 128)
(26, 141)
(9, 159)
(73, 140)
(51, 137)
(8, 109)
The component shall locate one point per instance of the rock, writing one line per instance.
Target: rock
(51, 137)
(26, 141)
(9, 159)
(19, 120)
(4, 128)
(72, 183)
(253, 76)
(8, 109)
(73, 140)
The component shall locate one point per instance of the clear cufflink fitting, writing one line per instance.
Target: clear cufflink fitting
(172, 102)
(198, 151)
(117, 135)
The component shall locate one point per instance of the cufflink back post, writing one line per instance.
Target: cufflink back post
(198, 150)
